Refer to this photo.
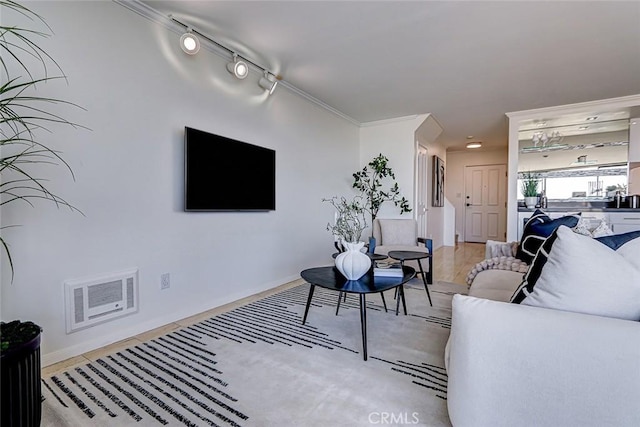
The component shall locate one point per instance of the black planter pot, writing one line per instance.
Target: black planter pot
(21, 385)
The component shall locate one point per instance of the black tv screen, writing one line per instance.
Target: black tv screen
(223, 174)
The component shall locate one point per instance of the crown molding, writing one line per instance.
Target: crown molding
(389, 121)
(608, 104)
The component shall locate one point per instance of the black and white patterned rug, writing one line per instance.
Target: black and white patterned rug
(257, 365)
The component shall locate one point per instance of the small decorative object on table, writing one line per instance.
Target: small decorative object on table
(349, 223)
(388, 269)
(353, 263)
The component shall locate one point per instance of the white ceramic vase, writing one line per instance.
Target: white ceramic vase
(531, 202)
(352, 263)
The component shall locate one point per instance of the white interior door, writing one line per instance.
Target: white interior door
(486, 203)
(421, 190)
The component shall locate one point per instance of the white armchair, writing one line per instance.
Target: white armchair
(401, 235)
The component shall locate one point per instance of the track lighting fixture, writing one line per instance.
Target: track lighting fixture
(238, 68)
(267, 84)
(189, 42)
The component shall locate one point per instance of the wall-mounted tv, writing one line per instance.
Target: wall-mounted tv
(223, 174)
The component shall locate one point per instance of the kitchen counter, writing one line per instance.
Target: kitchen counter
(621, 220)
(578, 209)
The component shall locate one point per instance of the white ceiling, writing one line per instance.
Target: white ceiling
(467, 63)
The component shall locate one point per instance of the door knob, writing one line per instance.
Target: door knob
(468, 204)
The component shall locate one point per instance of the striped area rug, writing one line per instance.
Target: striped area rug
(257, 365)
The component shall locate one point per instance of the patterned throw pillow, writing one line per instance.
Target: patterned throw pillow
(582, 228)
(585, 228)
(601, 230)
(598, 276)
(537, 229)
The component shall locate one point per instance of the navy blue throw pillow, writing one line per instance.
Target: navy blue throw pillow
(537, 229)
(616, 240)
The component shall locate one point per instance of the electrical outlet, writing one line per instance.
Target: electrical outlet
(165, 281)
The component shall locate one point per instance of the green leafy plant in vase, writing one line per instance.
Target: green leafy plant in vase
(370, 181)
(530, 182)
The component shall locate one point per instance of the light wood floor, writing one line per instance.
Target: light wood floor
(450, 264)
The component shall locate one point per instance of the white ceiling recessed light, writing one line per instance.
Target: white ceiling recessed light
(592, 118)
(583, 128)
(476, 144)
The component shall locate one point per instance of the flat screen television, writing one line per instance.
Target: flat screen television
(223, 174)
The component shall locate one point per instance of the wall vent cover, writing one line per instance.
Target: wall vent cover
(94, 300)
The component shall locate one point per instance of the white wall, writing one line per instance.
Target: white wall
(427, 136)
(397, 140)
(139, 91)
(457, 161)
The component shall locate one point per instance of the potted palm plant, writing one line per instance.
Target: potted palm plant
(25, 118)
(530, 189)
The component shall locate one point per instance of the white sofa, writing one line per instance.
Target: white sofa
(515, 365)
(494, 278)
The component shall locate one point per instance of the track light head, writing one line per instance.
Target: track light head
(267, 84)
(189, 42)
(238, 68)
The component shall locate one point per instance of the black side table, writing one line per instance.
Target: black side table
(403, 256)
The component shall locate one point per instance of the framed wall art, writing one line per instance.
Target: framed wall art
(438, 182)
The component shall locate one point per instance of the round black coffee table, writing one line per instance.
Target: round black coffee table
(330, 278)
(403, 256)
(373, 257)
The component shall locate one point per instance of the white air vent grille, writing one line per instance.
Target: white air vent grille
(95, 300)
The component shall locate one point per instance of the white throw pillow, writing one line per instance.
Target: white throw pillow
(585, 276)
